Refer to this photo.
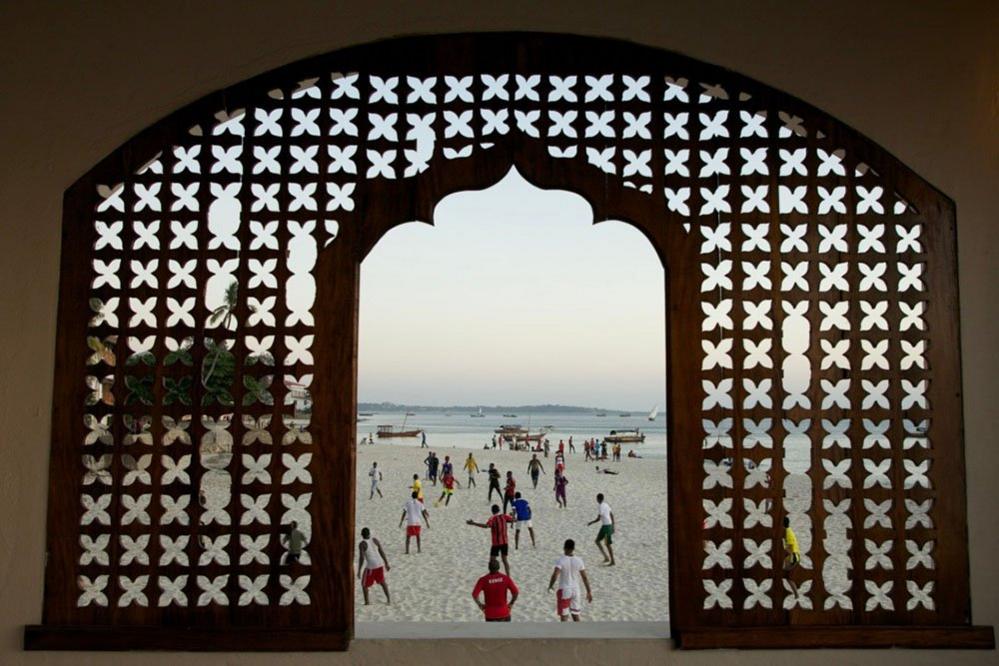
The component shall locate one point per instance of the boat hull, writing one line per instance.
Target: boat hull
(624, 439)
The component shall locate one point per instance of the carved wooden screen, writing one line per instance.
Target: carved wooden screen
(206, 360)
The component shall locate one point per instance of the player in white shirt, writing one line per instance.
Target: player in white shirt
(372, 563)
(569, 569)
(376, 477)
(606, 533)
(412, 511)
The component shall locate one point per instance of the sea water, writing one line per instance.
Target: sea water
(463, 431)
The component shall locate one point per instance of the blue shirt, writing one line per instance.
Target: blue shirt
(522, 509)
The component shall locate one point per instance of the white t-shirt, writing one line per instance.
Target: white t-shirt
(372, 560)
(375, 475)
(413, 510)
(605, 513)
(569, 567)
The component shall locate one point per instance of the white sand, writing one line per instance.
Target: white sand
(436, 585)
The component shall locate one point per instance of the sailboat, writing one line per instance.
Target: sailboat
(654, 413)
(477, 415)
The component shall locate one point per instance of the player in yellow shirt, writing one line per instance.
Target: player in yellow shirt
(473, 469)
(417, 488)
(793, 557)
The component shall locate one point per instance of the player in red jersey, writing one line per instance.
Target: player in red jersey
(497, 529)
(494, 587)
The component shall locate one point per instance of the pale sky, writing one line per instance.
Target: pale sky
(513, 297)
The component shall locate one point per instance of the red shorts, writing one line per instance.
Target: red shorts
(412, 530)
(372, 576)
(567, 601)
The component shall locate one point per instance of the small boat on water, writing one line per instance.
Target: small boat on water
(601, 414)
(629, 436)
(654, 413)
(624, 415)
(509, 416)
(509, 428)
(365, 413)
(477, 415)
(390, 431)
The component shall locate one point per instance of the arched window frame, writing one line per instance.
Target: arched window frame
(681, 211)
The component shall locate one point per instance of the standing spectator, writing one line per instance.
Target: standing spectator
(295, 540)
(494, 587)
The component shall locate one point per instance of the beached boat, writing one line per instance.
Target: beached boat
(511, 429)
(630, 436)
(654, 413)
(390, 431)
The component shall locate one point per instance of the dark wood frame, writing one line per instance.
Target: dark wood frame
(383, 204)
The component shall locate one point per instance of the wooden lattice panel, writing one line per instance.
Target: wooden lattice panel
(207, 358)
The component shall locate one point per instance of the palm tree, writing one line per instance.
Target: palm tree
(224, 313)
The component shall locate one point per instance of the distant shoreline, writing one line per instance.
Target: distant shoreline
(491, 409)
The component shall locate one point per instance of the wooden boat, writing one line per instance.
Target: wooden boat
(477, 415)
(601, 414)
(654, 413)
(624, 414)
(390, 431)
(509, 416)
(509, 429)
(631, 436)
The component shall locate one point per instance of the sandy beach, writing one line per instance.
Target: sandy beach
(436, 584)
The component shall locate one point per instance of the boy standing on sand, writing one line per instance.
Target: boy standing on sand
(373, 563)
(494, 479)
(473, 469)
(417, 488)
(511, 490)
(522, 512)
(568, 570)
(497, 531)
(376, 476)
(412, 511)
(495, 585)
(535, 468)
(560, 483)
(606, 534)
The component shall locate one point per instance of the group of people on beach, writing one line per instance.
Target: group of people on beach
(495, 592)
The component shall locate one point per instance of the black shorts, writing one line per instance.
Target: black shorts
(499, 550)
(498, 619)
